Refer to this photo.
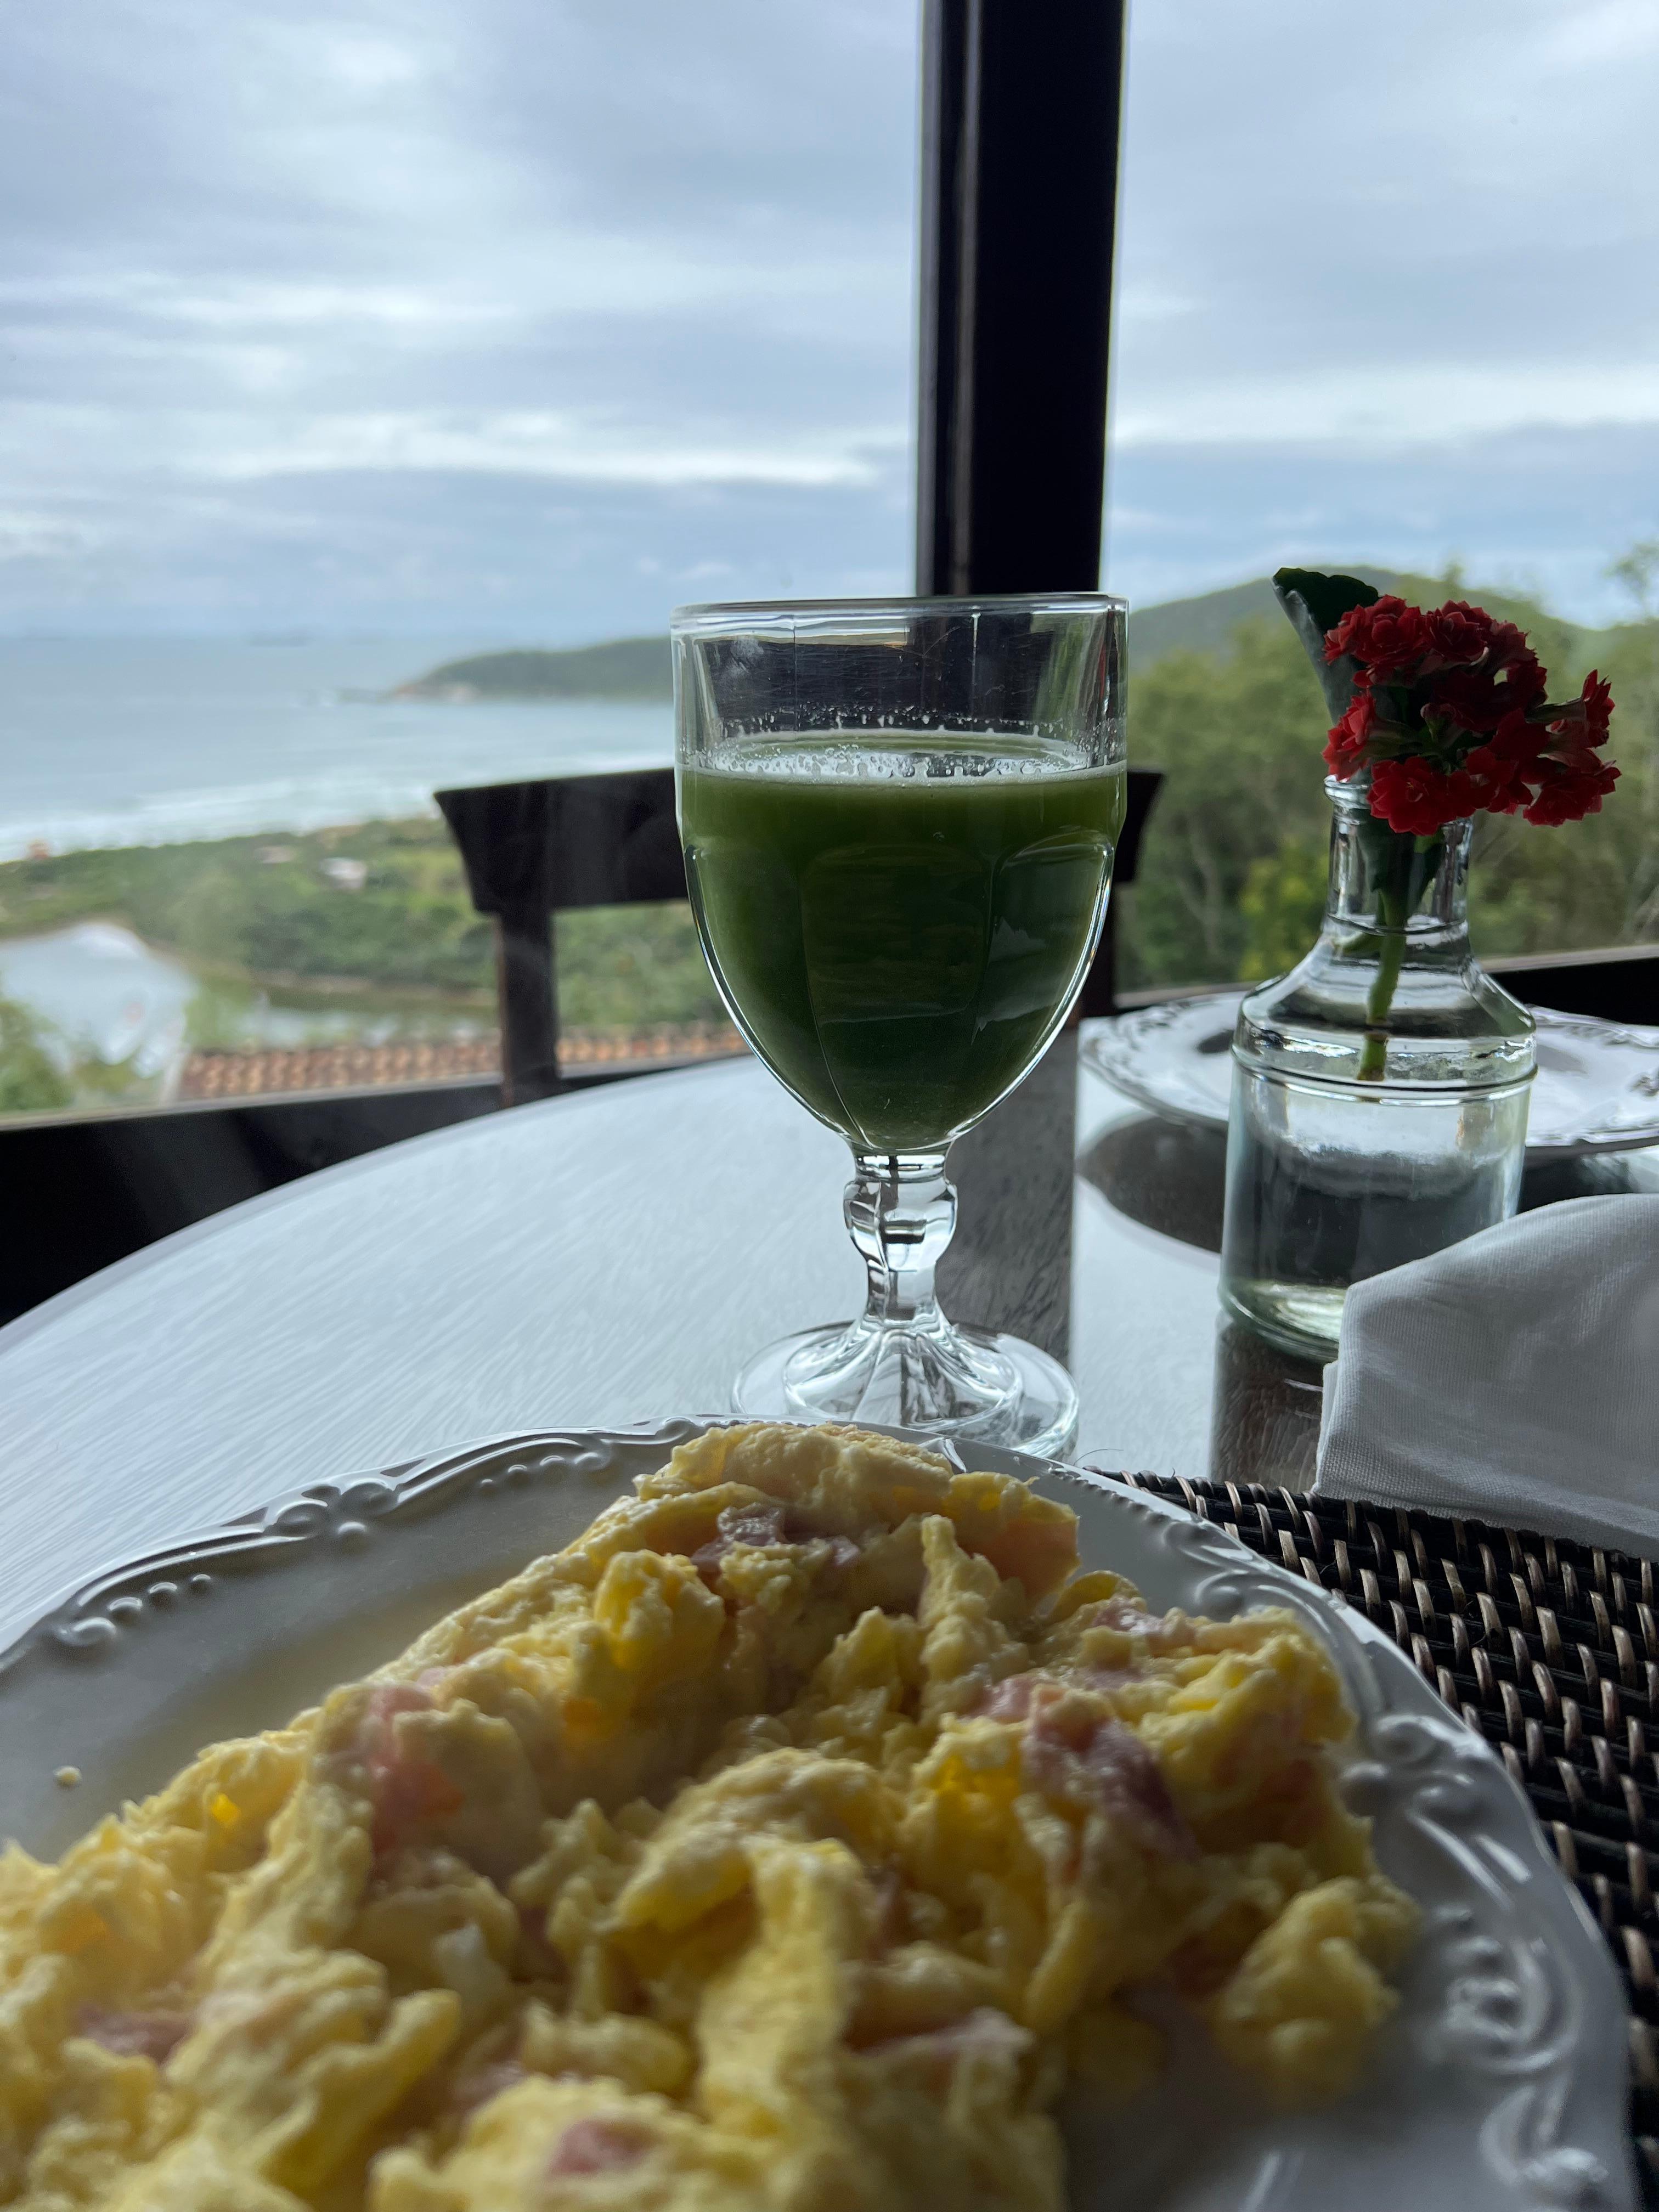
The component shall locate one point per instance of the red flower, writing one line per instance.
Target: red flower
(1554, 770)
(1596, 699)
(1344, 746)
(1590, 712)
(1395, 642)
(1418, 798)
(1492, 778)
(1517, 738)
(1570, 793)
(1461, 635)
(1470, 690)
(1478, 698)
(1387, 638)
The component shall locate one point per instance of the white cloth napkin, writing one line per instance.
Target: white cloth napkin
(1512, 1378)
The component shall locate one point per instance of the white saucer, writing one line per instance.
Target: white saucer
(1597, 1089)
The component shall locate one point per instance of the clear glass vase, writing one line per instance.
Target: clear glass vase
(1380, 1090)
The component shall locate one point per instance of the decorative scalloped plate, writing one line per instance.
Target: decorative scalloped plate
(1597, 1089)
(1500, 2084)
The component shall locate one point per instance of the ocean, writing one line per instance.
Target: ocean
(154, 741)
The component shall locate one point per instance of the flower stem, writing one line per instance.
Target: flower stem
(1401, 867)
(1374, 1056)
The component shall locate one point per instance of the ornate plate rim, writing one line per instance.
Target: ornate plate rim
(1119, 1069)
(1532, 2032)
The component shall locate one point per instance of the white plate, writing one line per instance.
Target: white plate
(1500, 2084)
(1597, 1089)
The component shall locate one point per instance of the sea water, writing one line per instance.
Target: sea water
(121, 741)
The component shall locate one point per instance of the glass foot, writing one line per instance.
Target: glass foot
(965, 1385)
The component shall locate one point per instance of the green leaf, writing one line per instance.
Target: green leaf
(1326, 599)
(1316, 603)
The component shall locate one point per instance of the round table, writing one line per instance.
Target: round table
(604, 1258)
(607, 1258)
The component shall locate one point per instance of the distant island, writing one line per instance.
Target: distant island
(623, 668)
(639, 668)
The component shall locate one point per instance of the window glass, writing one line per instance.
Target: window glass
(1384, 303)
(354, 354)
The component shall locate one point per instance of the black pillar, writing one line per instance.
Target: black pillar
(1020, 113)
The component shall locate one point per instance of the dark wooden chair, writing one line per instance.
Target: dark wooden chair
(532, 851)
(535, 850)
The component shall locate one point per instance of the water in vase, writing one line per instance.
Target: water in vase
(1324, 1189)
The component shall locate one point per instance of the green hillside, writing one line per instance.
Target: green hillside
(638, 667)
(621, 668)
(1208, 623)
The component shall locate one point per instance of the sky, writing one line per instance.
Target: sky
(528, 319)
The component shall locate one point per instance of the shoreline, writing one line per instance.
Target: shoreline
(213, 819)
(39, 842)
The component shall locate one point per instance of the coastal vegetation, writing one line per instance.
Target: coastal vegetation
(268, 910)
(272, 907)
(31, 1081)
(386, 945)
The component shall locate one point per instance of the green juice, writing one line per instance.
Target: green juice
(899, 927)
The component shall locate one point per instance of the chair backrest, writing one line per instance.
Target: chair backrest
(532, 850)
(570, 842)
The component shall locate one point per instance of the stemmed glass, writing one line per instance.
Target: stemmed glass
(899, 817)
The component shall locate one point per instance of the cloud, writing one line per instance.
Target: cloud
(568, 448)
(201, 448)
(1371, 267)
(376, 251)
(1363, 408)
(1541, 510)
(341, 305)
(524, 561)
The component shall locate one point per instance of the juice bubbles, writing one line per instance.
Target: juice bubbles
(899, 922)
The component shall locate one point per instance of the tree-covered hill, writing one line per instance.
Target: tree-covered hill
(1208, 623)
(622, 668)
(638, 667)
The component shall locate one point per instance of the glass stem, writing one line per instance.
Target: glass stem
(901, 1211)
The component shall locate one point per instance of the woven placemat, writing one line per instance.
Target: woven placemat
(1550, 1651)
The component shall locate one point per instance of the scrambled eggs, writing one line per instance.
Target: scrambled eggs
(784, 1843)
